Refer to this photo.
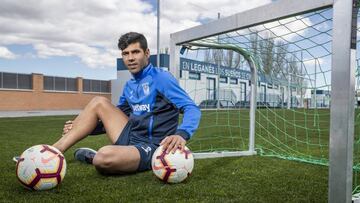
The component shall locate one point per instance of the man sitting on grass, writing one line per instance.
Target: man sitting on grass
(147, 116)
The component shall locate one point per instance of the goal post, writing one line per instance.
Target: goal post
(342, 108)
(253, 67)
(340, 50)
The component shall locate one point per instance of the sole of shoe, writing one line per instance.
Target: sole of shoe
(15, 159)
(84, 148)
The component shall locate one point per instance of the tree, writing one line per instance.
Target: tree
(266, 47)
(227, 58)
(231, 59)
(280, 59)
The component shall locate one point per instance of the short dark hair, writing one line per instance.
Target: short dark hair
(132, 37)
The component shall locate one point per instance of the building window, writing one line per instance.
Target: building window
(49, 83)
(71, 84)
(24, 81)
(86, 85)
(9, 80)
(15, 81)
(234, 81)
(223, 79)
(270, 86)
(105, 86)
(194, 76)
(96, 86)
(60, 84)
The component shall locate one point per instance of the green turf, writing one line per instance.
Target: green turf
(242, 179)
(294, 134)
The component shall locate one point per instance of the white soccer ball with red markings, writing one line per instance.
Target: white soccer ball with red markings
(41, 167)
(172, 168)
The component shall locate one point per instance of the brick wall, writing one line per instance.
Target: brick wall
(39, 99)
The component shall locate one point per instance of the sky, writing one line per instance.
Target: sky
(78, 38)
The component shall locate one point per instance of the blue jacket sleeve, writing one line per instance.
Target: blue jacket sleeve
(169, 87)
(123, 104)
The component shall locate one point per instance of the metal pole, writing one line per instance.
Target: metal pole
(302, 83)
(174, 58)
(253, 101)
(253, 67)
(315, 93)
(288, 92)
(158, 34)
(342, 102)
(218, 76)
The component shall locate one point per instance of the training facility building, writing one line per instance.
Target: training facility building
(201, 81)
(31, 92)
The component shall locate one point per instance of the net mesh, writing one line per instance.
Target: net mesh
(293, 61)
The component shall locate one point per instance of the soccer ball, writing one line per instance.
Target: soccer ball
(172, 168)
(41, 167)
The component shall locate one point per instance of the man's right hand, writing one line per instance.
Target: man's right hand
(67, 127)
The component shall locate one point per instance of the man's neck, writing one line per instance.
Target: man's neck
(138, 74)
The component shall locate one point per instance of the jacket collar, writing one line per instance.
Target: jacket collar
(143, 73)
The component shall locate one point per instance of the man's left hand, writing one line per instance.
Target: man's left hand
(173, 142)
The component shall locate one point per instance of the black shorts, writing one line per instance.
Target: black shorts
(146, 150)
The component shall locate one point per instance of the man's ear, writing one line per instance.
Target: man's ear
(147, 53)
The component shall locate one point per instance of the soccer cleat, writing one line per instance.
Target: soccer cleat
(85, 155)
(16, 158)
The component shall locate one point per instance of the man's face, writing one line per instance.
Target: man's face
(135, 58)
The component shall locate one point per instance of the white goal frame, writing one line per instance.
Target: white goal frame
(342, 79)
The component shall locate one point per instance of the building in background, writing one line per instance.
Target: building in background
(321, 99)
(207, 84)
(28, 92)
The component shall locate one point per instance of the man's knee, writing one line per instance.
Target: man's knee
(103, 159)
(109, 160)
(99, 101)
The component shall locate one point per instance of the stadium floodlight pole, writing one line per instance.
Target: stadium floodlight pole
(342, 101)
(254, 78)
(158, 34)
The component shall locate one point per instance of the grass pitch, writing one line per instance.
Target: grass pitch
(240, 179)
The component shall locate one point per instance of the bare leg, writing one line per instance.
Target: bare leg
(109, 159)
(114, 121)
(117, 159)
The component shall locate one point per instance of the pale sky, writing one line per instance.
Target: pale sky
(78, 38)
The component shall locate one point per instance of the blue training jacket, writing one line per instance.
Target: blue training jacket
(153, 100)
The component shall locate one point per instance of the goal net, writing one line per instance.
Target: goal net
(292, 63)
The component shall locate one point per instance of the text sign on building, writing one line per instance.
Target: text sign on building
(209, 68)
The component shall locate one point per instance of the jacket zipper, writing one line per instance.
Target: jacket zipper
(151, 127)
